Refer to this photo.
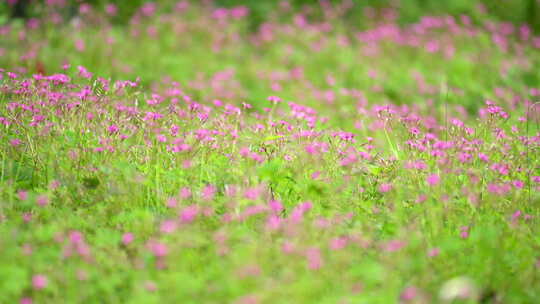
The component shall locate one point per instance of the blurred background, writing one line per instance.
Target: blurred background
(515, 11)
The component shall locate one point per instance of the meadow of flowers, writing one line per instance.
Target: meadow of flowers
(184, 157)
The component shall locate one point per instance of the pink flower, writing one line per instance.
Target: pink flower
(247, 299)
(181, 5)
(83, 72)
(385, 187)
(42, 200)
(433, 252)
(464, 232)
(409, 294)
(217, 103)
(161, 138)
(113, 129)
(127, 238)
(76, 237)
(394, 245)
(188, 214)
(464, 157)
(338, 243)
(80, 45)
(39, 281)
(27, 217)
(306, 206)
(150, 286)
(421, 198)
(84, 8)
(186, 164)
(185, 193)
(314, 258)
(171, 202)
(230, 190)
(288, 247)
(239, 12)
(433, 179)
(498, 189)
(111, 9)
(276, 206)
(518, 184)
(15, 142)
(274, 99)
(209, 192)
(22, 195)
(244, 152)
(252, 193)
(54, 185)
(26, 300)
(298, 212)
(148, 9)
(168, 226)
(158, 249)
(516, 215)
(273, 222)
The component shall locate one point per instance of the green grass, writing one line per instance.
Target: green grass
(348, 153)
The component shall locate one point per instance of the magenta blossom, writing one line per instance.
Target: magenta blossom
(39, 281)
(433, 179)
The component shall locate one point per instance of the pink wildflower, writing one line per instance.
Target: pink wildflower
(516, 215)
(274, 99)
(276, 206)
(113, 129)
(385, 187)
(171, 202)
(273, 222)
(314, 258)
(168, 226)
(42, 200)
(394, 245)
(150, 286)
(208, 192)
(185, 193)
(433, 179)
(39, 281)
(189, 213)
(518, 184)
(127, 238)
(111, 9)
(22, 195)
(158, 249)
(409, 294)
(26, 300)
(15, 142)
(338, 243)
(464, 232)
(433, 252)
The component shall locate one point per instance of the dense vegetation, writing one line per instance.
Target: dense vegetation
(197, 154)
